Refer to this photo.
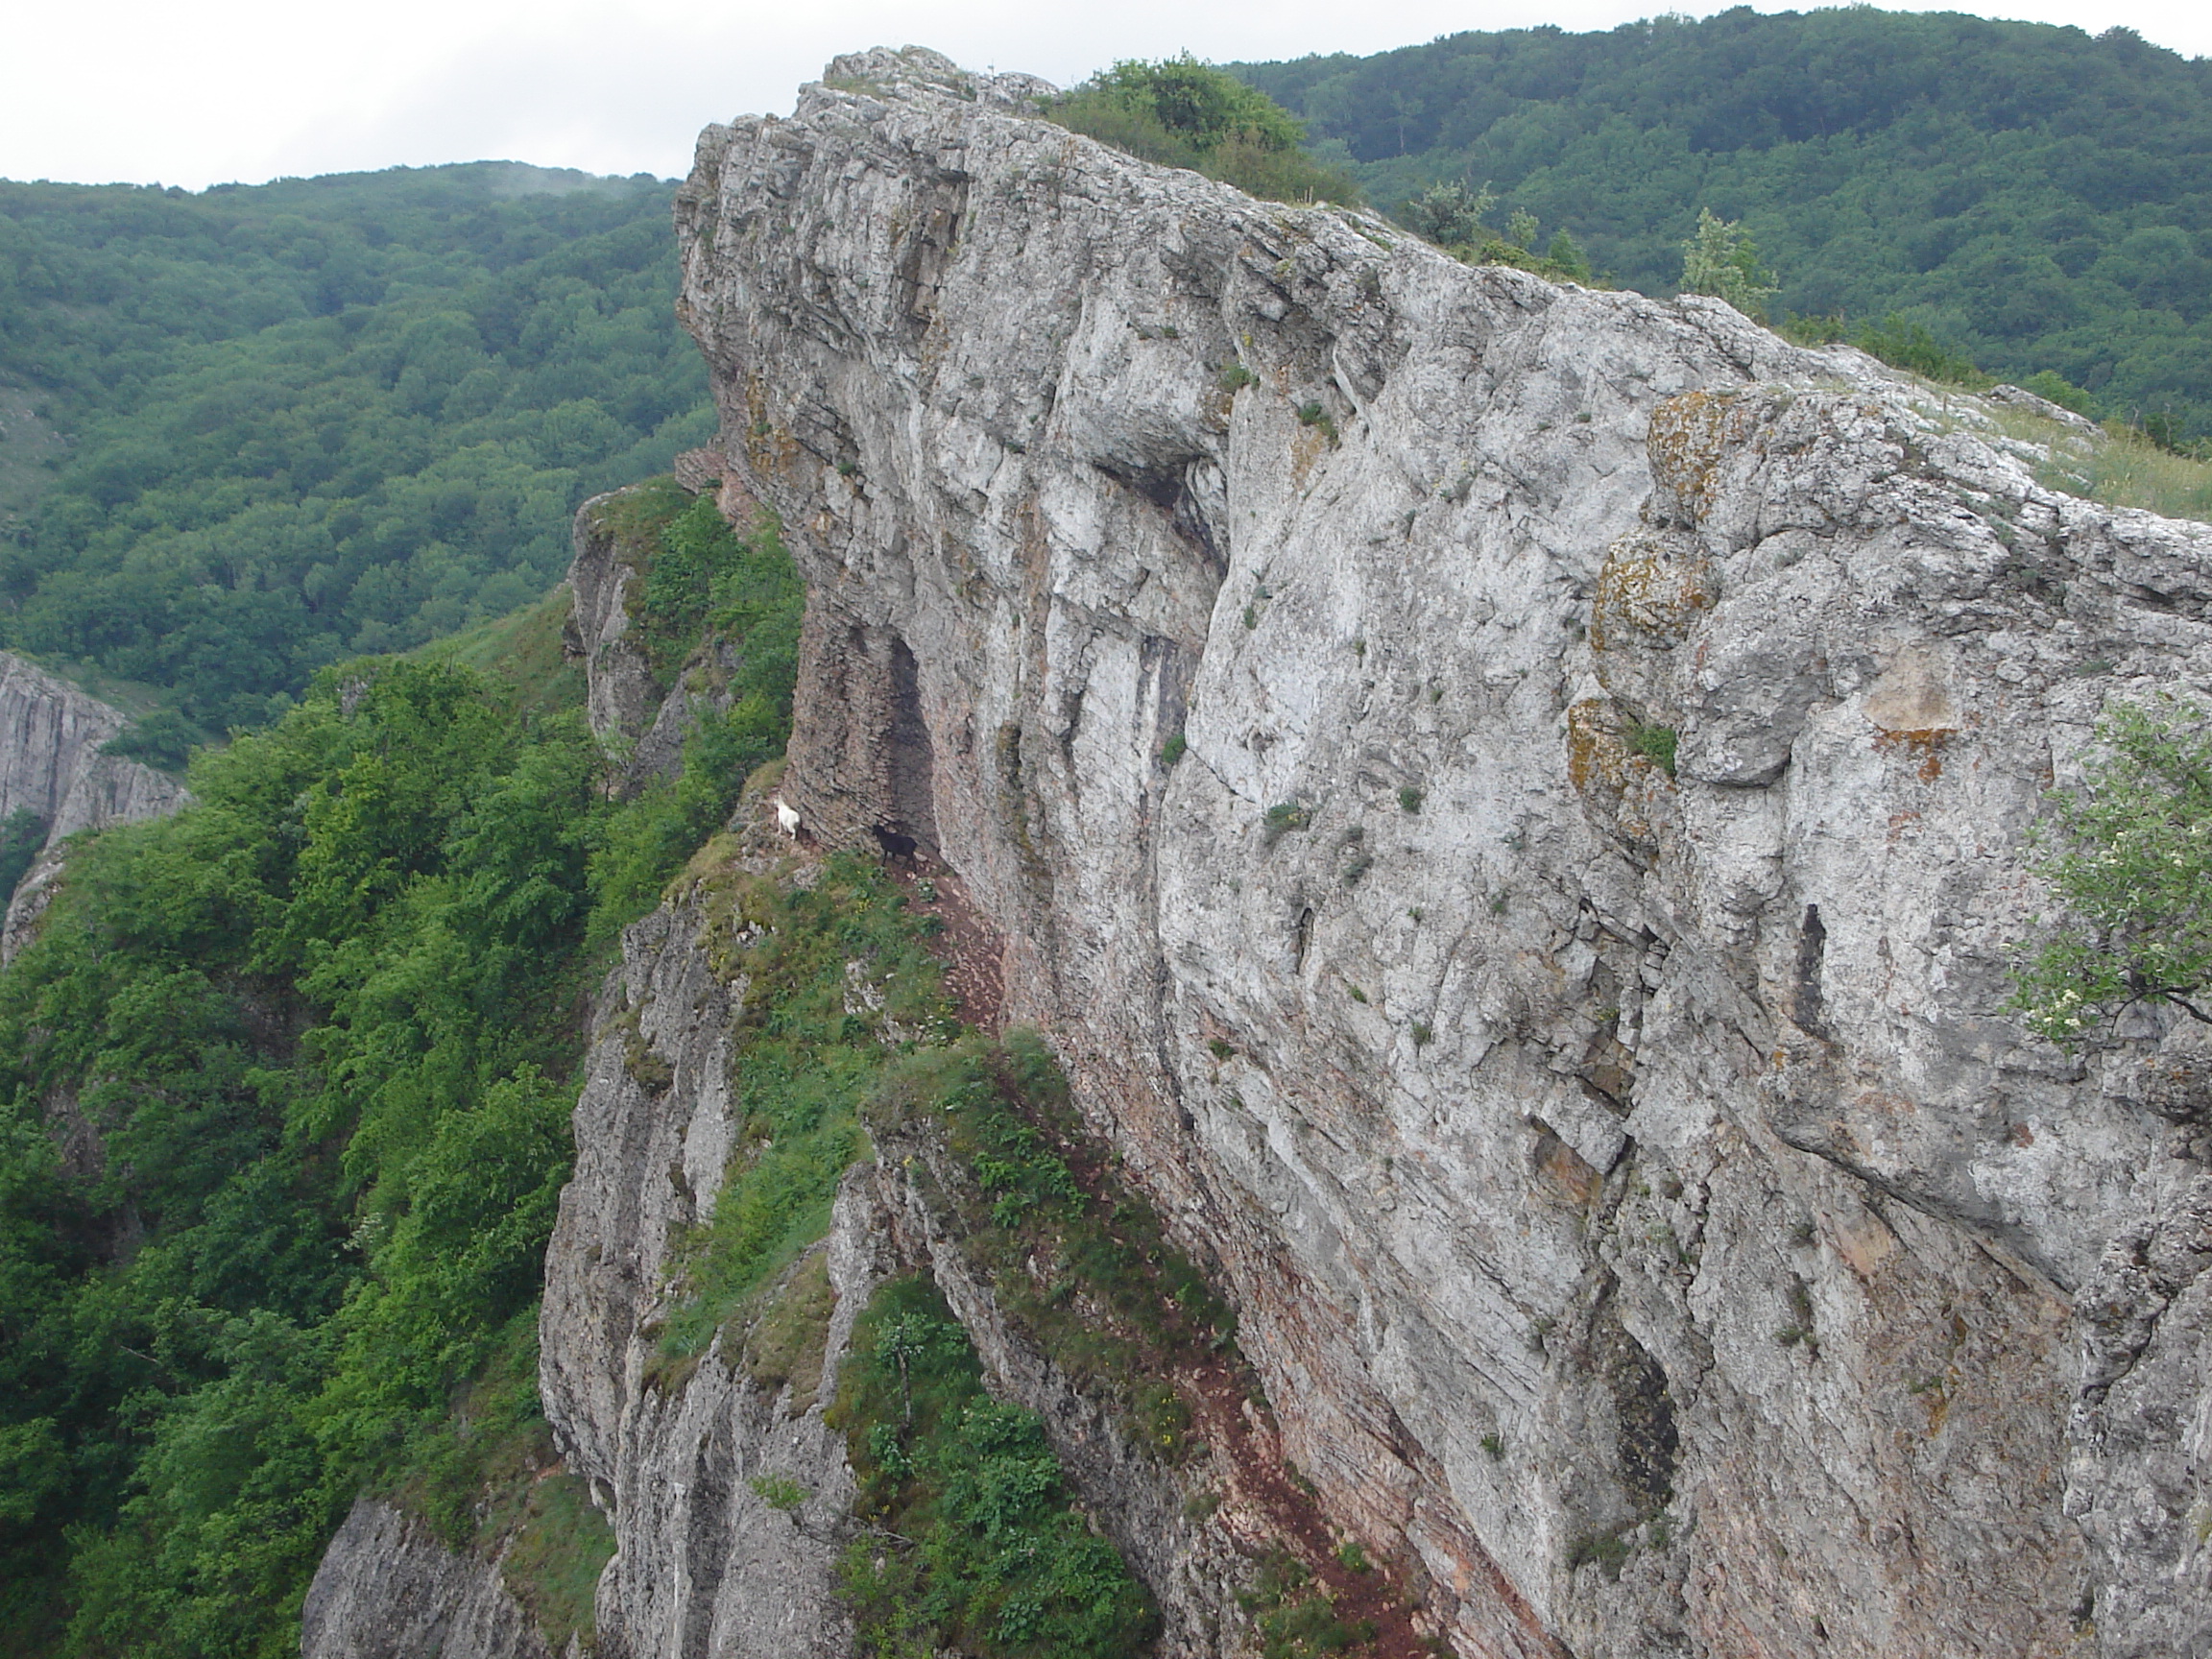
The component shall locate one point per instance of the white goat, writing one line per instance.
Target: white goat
(786, 816)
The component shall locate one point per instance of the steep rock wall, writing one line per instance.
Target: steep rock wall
(704, 1563)
(388, 1588)
(51, 734)
(1635, 1193)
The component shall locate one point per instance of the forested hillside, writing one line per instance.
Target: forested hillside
(2037, 199)
(249, 431)
(284, 1097)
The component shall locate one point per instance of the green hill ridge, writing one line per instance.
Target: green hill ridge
(260, 429)
(2037, 198)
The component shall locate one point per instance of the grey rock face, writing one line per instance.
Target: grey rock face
(705, 1564)
(625, 703)
(621, 695)
(388, 1589)
(1639, 1204)
(51, 736)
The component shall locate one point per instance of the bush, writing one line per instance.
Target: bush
(1655, 743)
(1909, 346)
(1721, 259)
(1184, 113)
(2055, 388)
(1452, 216)
(2129, 856)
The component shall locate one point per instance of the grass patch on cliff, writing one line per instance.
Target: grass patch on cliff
(2122, 468)
(693, 575)
(1294, 1615)
(973, 1542)
(560, 1548)
(837, 982)
(845, 1029)
(1078, 1260)
(522, 653)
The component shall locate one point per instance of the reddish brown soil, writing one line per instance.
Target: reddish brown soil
(968, 947)
(1262, 1508)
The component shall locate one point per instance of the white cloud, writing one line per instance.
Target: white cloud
(251, 89)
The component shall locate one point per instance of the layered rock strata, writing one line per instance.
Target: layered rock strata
(1511, 801)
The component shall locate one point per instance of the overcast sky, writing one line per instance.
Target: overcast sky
(158, 91)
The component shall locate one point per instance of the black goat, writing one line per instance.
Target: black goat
(894, 844)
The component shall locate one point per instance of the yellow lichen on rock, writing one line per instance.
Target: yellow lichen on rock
(1645, 589)
(1596, 755)
(1689, 436)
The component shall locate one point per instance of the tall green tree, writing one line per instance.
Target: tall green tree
(1721, 259)
(2128, 859)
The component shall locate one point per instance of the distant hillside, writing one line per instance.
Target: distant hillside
(2036, 197)
(249, 431)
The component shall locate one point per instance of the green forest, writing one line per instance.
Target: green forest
(285, 1087)
(305, 421)
(2035, 197)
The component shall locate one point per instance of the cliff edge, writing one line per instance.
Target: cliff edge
(1511, 802)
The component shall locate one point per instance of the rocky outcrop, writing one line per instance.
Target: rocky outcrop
(686, 1452)
(388, 1589)
(704, 1562)
(51, 765)
(1511, 802)
(643, 722)
(621, 695)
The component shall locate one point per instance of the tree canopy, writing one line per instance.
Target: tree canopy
(323, 416)
(2034, 197)
(2129, 857)
(1184, 113)
(285, 1086)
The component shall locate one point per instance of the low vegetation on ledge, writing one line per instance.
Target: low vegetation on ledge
(1184, 113)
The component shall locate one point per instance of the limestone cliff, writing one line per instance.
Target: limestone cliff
(1511, 802)
(390, 1589)
(704, 1563)
(1643, 1209)
(51, 764)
